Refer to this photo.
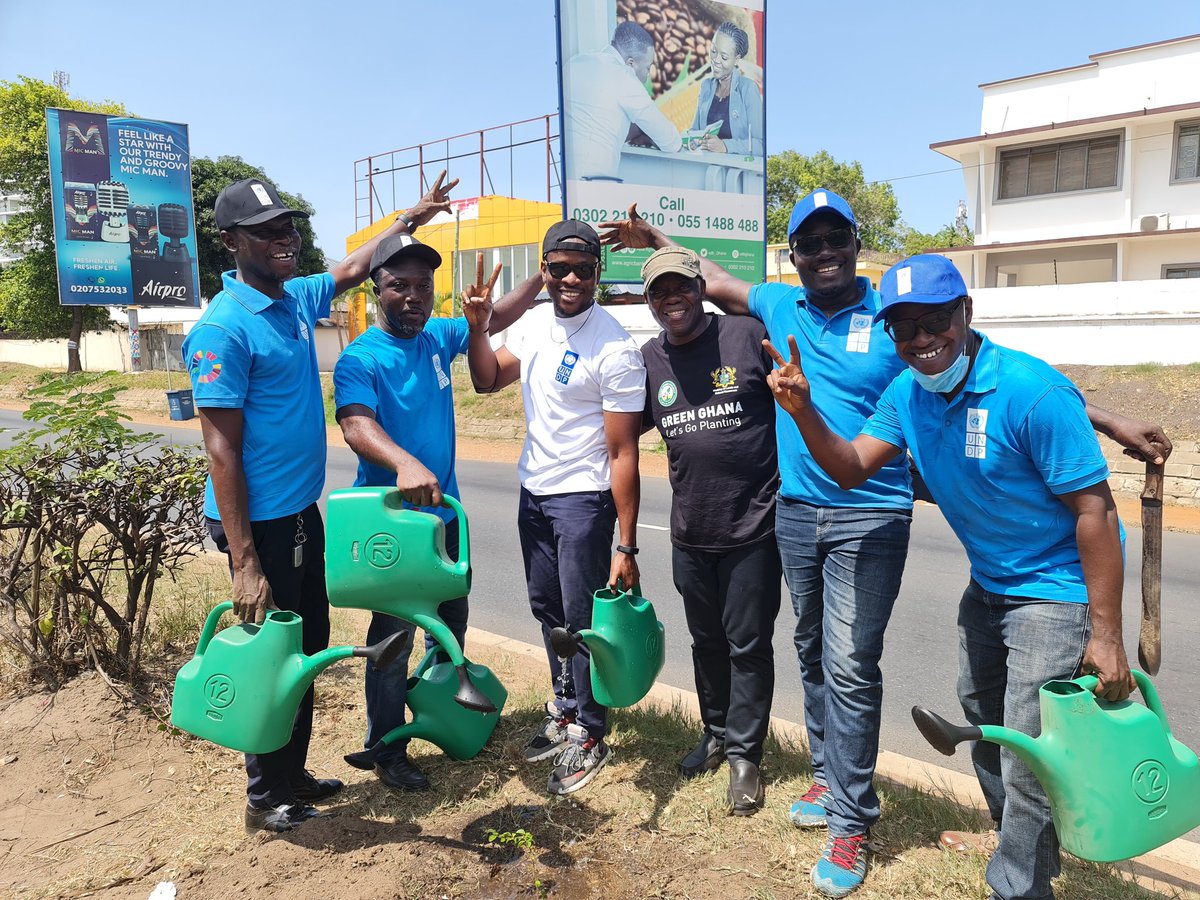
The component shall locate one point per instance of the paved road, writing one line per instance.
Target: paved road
(920, 662)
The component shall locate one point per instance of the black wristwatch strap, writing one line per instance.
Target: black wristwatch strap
(408, 223)
(632, 551)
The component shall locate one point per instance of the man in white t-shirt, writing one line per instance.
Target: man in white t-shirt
(583, 384)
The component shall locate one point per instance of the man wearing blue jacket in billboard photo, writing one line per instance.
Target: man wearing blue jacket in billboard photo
(843, 550)
(1006, 448)
(253, 365)
(395, 405)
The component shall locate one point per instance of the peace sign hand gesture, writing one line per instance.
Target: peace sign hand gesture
(477, 297)
(788, 383)
(437, 200)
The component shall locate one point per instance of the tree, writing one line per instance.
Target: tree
(29, 287)
(913, 241)
(791, 175)
(209, 178)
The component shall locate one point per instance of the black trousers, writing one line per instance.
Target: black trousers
(300, 589)
(731, 600)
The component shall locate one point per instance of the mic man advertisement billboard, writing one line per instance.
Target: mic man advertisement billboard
(662, 104)
(124, 232)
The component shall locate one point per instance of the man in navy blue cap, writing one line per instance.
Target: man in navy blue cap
(1006, 448)
(843, 550)
(253, 364)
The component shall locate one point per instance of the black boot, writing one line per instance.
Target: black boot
(745, 788)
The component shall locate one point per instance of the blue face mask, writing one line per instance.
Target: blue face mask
(944, 382)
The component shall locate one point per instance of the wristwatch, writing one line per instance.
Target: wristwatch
(408, 223)
(632, 551)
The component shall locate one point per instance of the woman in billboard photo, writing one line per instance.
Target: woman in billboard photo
(730, 108)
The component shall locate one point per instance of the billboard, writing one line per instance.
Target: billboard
(124, 231)
(662, 103)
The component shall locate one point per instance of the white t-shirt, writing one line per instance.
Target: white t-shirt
(572, 372)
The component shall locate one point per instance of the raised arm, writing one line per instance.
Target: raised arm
(222, 430)
(849, 463)
(728, 292)
(488, 374)
(1141, 440)
(353, 269)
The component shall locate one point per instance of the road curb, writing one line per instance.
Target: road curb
(1167, 870)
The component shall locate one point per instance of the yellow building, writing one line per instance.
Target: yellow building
(508, 231)
(871, 265)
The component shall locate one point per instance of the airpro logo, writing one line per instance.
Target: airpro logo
(162, 291)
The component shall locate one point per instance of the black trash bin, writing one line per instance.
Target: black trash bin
(180, 405)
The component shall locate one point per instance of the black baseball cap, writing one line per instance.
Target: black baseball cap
(397, 246)
(251, 201)
(568, 235)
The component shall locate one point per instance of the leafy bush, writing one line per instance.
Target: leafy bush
(92, 514)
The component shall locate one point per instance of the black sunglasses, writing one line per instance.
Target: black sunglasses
(936, 322)
(583, 271)
(810, 244)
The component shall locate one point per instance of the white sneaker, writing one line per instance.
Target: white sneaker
(550, 738)
(578, 762)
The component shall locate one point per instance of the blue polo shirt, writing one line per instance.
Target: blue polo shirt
(259, 355)
(995, 458)
(406, 383)
(849, 360)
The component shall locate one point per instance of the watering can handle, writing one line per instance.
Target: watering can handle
(1145, 685)
(636, 590)
(210, 625)
(464, 537)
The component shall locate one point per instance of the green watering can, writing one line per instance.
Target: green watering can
(1119, 784)
(382, 556)
(625, 642)
(242, 688)
(460, 732)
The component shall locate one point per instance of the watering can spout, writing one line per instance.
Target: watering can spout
(383, 653)
(944, 736)
(564, 642)
(469, 696)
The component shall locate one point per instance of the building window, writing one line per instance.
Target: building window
(1082, 165)
(1188, 270)
(1187, 151)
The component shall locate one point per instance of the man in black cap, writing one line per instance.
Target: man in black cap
(253, 367)
(395, 405)
(583, 386)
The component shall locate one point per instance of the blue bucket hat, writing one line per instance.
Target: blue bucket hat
(815, 202)
(926, 278)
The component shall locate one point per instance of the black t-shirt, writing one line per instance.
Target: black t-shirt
(719, 110)
(710, 402)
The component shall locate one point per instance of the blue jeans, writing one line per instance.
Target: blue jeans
(566, 543)
(843, 568)
(387, 688)
(1008, 648)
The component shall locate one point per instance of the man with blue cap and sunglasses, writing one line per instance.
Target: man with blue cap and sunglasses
(843, 550)
(1007, 450)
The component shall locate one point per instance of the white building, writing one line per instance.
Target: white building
(10, 205)
(1084, 186)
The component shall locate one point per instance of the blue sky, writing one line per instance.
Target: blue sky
(303, 89)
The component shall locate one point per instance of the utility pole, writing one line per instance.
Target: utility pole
(62, 80)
